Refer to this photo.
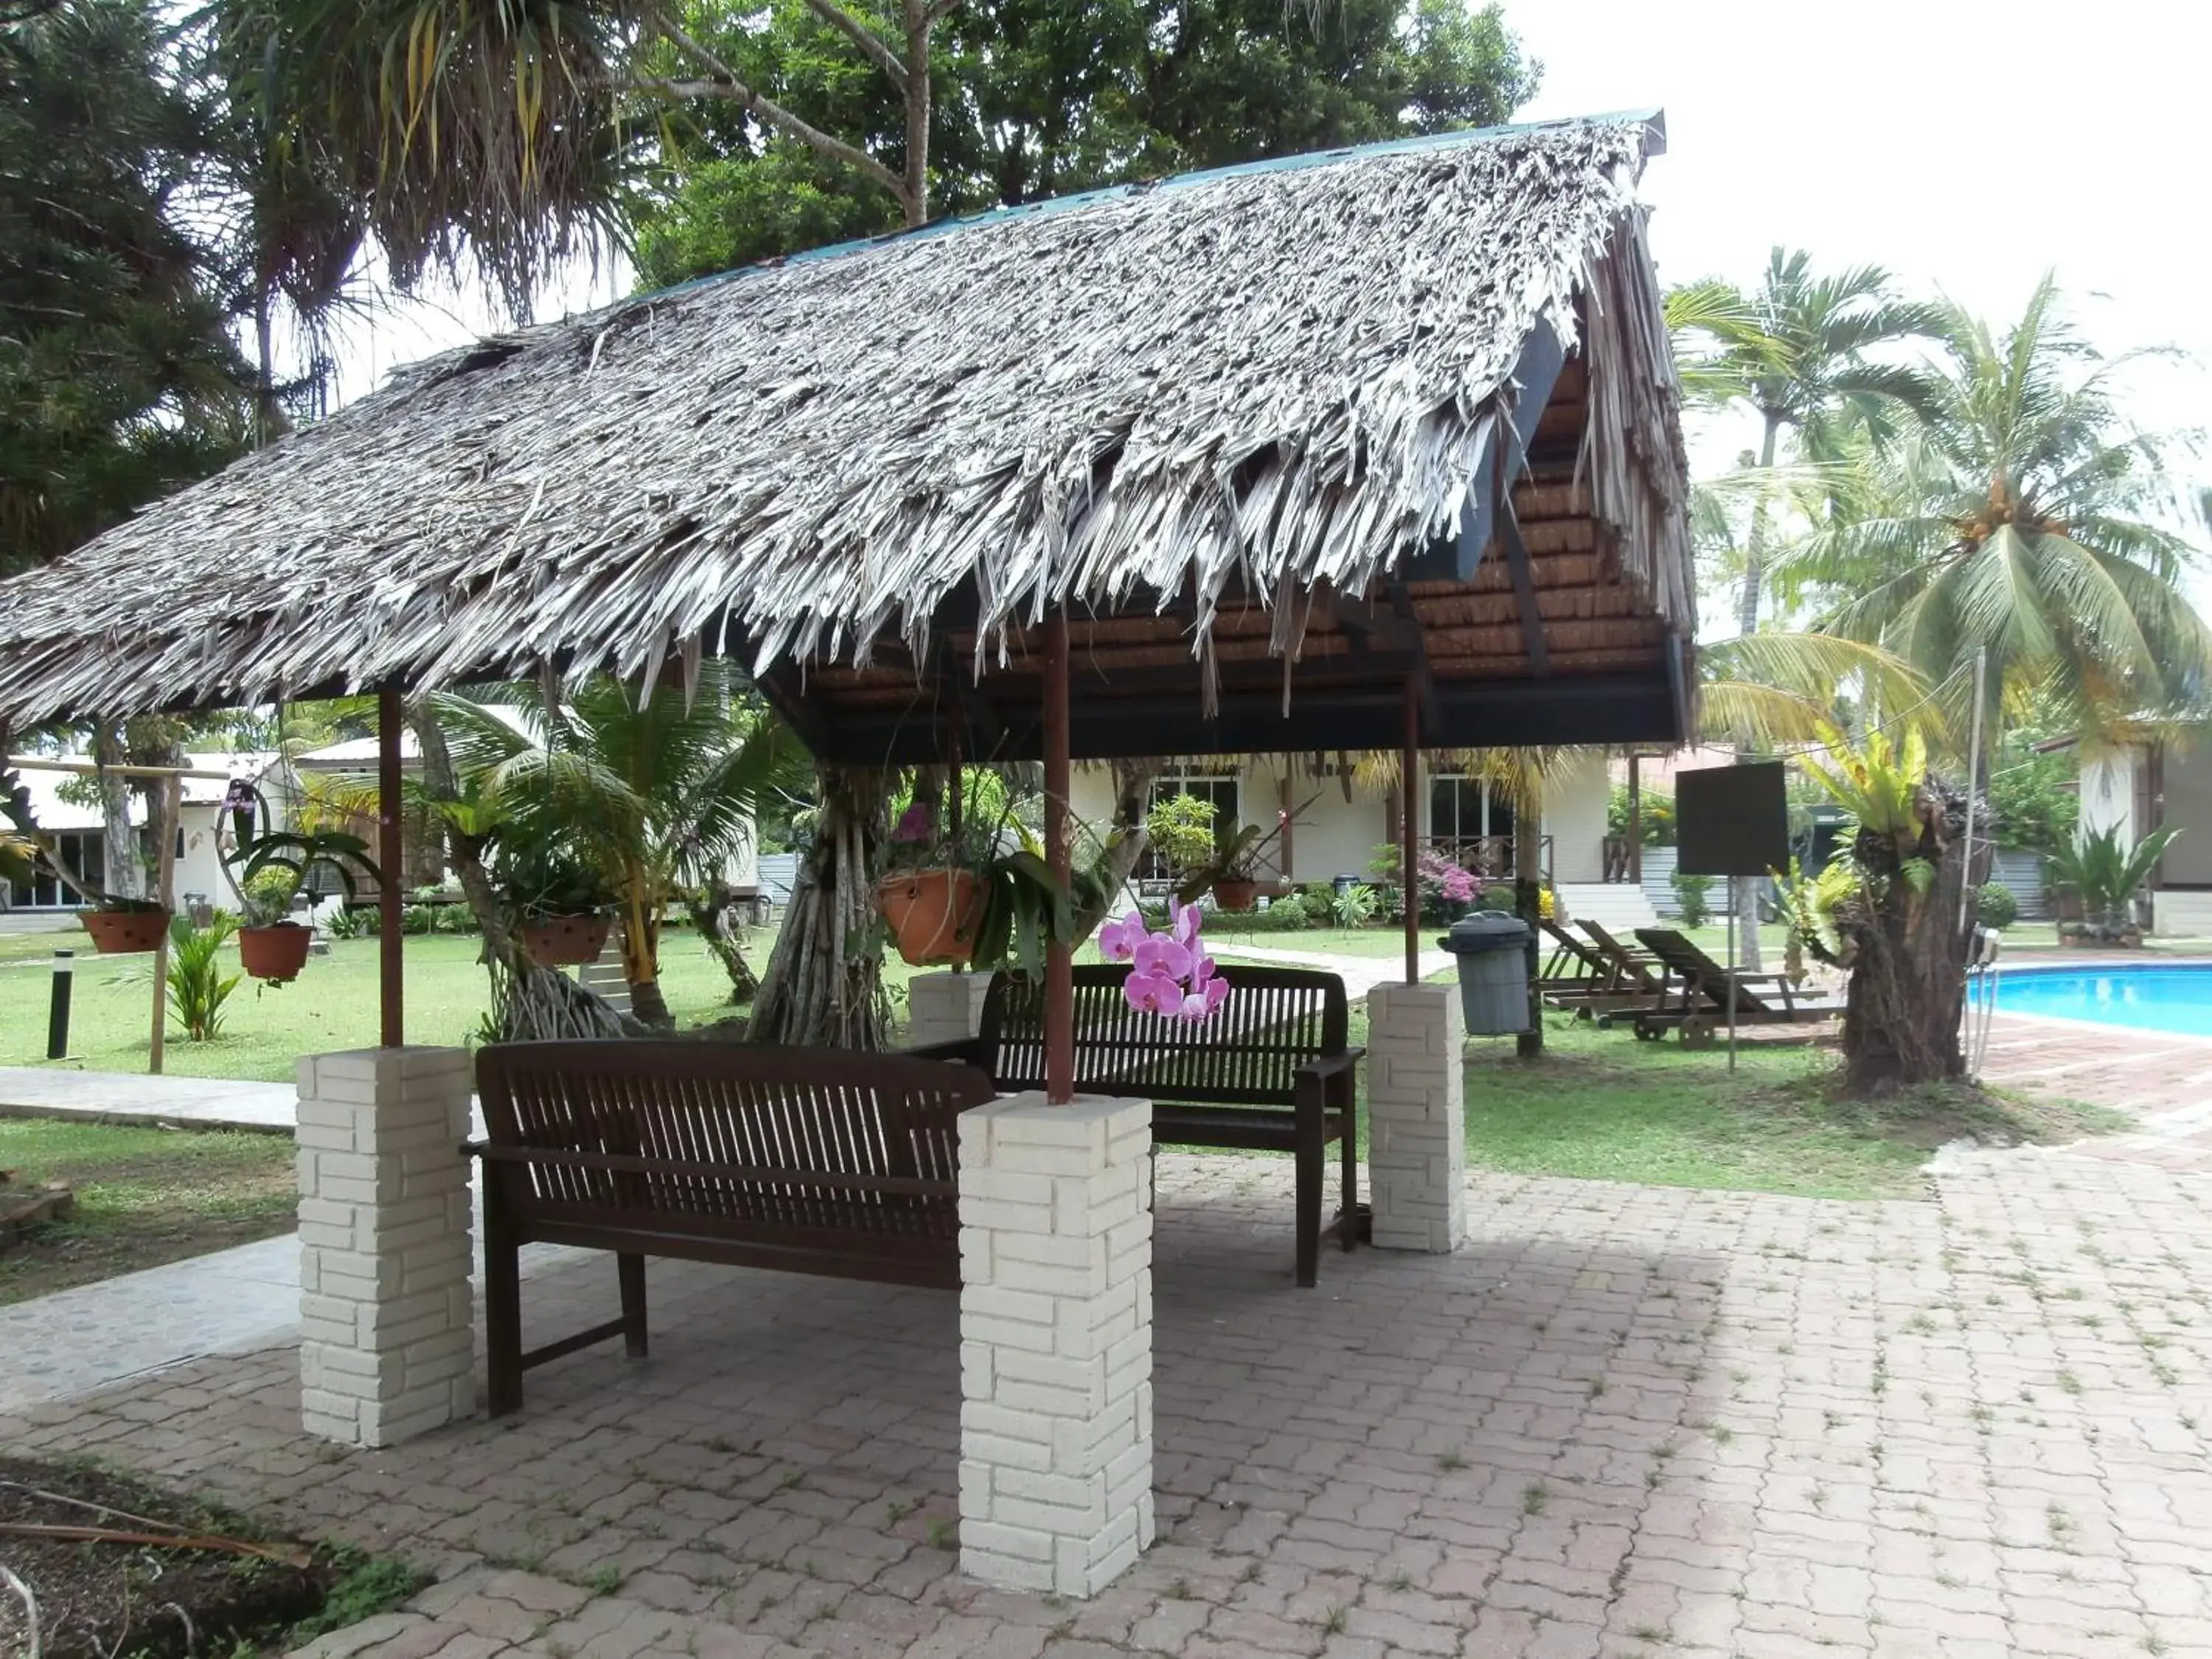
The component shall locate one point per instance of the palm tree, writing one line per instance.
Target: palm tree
(2018, 517)
(1802, 351)
(657, 792)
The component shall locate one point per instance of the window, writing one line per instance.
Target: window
(82, 853)
(1217, 786)
(1466, 827)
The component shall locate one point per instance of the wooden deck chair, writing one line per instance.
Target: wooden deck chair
(1697, 993)
(1620, 981)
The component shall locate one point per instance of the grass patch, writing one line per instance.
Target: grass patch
(143, 1196)
(1599, 1105)
(332, 1005)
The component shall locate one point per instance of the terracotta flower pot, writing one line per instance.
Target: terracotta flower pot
(1236, 895)
(122, 932)
(276, 954)
(934, 915)
(566, 941)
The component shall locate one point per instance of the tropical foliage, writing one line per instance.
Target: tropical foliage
(652, 796)
(198, 986)
(2107, 873)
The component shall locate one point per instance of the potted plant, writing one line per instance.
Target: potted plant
(122, 927)
(273, 868)
(1231, 873)
(562, 904)
(930, 896)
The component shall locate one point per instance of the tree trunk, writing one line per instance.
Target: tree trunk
(714, 913)
(1743, 890)
(529, 1004)
(1908, 984)
(823, 987)
(123, 870)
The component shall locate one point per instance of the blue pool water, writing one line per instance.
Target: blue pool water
(2152, 997)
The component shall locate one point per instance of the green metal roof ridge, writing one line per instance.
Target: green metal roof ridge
(1655, 144)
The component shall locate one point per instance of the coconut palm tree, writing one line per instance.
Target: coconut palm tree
(656, 792)
(2021, 517)
(1802, 352)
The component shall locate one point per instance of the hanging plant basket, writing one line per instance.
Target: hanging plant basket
(275, 954)
(1236, 895)
(566, 941)
(934, 915)
(125, 933)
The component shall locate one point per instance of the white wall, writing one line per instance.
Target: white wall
(2108, 791)
(1575, 799)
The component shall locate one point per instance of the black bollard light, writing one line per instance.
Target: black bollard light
(57, 1007)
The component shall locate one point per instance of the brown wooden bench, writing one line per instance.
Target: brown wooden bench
(1272, 1071)
(799, 1159)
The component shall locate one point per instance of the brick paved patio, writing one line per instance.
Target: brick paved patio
(1624, 1420)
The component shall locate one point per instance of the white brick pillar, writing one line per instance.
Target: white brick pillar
(1055, 1341)
(944, 1007)
(388, 1333)
(1416, 1117)
(607, 973)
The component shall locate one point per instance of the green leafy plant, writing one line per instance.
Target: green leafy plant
(2107, 875)
(292, 859)
(1354, 907)
(1994, 906)
(1181, 830)
(1693, 894)
(1236, 853)
(1655, 816)
(198, 988)
(539, 878)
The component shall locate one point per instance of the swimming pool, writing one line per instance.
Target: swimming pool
(2150, 996)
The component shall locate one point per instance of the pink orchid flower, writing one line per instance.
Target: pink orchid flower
(1157, 953)
(1183, 922)
(1118, 940)
(917, 823)
(1153, 993)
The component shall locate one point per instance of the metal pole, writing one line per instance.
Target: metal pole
(1059, 956)
(1409, 868)
(58, 1005)
(165, 886)
(1973, 773)
(391, 979)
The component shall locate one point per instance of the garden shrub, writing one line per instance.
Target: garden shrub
(1693, 894)
(1994, 906)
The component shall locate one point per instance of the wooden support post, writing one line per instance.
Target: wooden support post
(1059, 956)
(1409, 821)
(390, 723)
(165, 894)
(1528, 901)
(1635, 820)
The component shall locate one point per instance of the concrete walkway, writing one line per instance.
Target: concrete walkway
(1360, 974)
(195, 1103)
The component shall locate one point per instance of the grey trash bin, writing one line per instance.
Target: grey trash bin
(1493, 971)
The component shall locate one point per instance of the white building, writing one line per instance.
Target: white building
(2137, 788)
(1337, 828)
(77, 829)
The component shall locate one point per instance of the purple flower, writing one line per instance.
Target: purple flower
(1183, 922)
(1153, 993)
(917, 823)
(1117, 940)
(1157, 953)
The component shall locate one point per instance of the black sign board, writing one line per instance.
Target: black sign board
(1732, 820)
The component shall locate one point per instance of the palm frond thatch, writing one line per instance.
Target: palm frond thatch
(1274, 376)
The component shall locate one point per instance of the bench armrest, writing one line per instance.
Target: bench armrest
(1330, 1065)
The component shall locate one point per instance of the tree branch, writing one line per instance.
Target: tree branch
(724, 83)
(870, 43)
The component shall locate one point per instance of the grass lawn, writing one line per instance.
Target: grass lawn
(332, 1005)
(1601, 1105)
(144, 1197)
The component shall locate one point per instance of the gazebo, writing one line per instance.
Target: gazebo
(1375, 448)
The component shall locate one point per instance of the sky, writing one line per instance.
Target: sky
(1968, 145)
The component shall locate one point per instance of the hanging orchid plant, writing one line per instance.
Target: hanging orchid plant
(1169, 973)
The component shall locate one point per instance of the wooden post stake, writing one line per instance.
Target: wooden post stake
(1635, 820)
(1409, 822)
(1528, 901)
(165, 893)
(390, 981)
(1059, 956)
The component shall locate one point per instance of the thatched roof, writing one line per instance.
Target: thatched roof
(1223, 391)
